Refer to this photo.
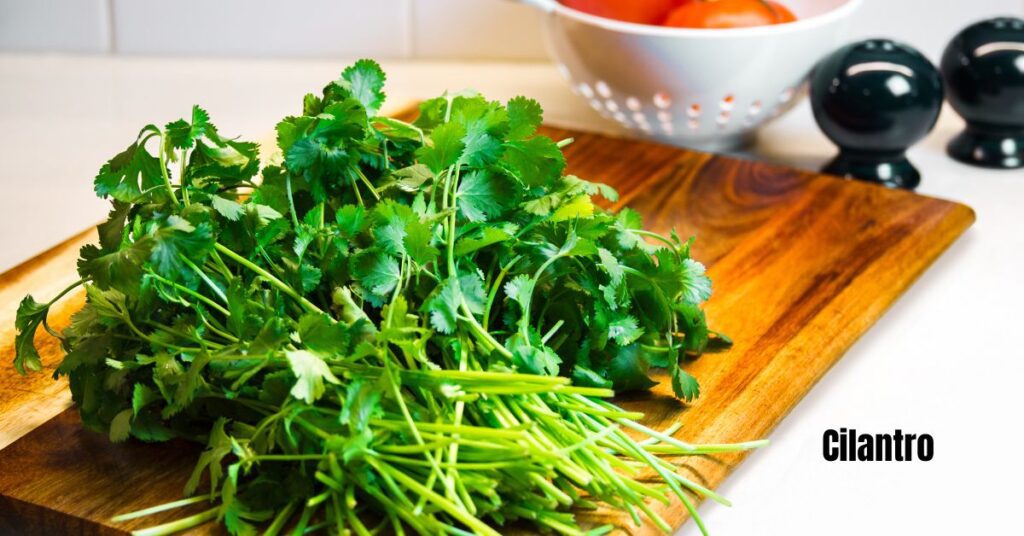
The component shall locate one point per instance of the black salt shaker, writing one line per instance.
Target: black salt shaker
(874, 99)
(984, 71)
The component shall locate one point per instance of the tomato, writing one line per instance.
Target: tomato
(640, 11)
(783, 13)
(728, 14)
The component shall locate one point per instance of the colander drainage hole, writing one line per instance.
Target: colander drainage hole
(586, 90)
(662, 100)
(602, 89)
(727, 103)
(755, 108)
(612, 106)
(633, 104)
(787, 95)
(693, 111)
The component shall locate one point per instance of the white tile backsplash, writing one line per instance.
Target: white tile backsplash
(294, 28)
(430, 29)
(55, 25)
(476, 29)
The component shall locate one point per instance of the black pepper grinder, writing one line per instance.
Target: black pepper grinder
(874, 99)
(984, 71)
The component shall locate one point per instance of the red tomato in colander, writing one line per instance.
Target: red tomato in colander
(785, 15)
(728, 14)
(639, 11)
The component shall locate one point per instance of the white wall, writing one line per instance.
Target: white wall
(434, 29)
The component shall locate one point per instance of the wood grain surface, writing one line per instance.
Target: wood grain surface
(803, 265)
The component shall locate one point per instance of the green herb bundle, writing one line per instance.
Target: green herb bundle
(397, 326)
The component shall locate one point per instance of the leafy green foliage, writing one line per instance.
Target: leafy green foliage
(30, 315)
(383, 324)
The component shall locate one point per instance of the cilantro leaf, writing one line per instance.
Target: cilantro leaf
(377, 271)
(611, 265)
(482, 195)
(174, 238)
(126, 176)
(322, 335)
(684, 385)
(183, 135)
(578, 208)
(628, 369)
(30, 314)
(488, 237)
(121, 426)
(524, 117)
(624, 330)
(447, 147)
(696, 285)
(533, 359)
(351, 220)
(121, 269)
(583, 376)
(366, 81)
(535, 162)
(443, 307)
(310, 374)
(231, 210)
(520, 288)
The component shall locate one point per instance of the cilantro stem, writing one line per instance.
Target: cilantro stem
(181, 178)
(163, 169)
(480, 332)
(462, 430)
(711, 448)
(359, 196)
(524, 320)
(669, 430)
(280, 519)
(366, 181)
(179, 525)
(205, 278)
(671, 245)
(157, 509)
(221, 267)
(470, 521)
(209, 325)
(275, 282)
(551, 332)
(46, 323)
(291, 200)
(495, 288)
(181, 288)
(641, 428)
(435, 466)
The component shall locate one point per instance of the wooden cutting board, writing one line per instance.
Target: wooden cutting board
(803, 265)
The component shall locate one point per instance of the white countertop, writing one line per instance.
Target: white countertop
(945, 360)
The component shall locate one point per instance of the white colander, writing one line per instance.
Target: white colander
(708, 89)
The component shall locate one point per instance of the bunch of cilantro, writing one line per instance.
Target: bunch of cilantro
(390, 326)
